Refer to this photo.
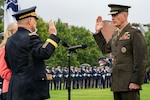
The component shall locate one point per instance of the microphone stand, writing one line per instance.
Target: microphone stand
(71, 49)
(69, 77)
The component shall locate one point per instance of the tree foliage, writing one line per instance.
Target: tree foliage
(147, 37)
(72, 35)
(1, 16)
(42, 28)
(1, 10)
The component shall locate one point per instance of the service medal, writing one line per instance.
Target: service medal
(123, 49)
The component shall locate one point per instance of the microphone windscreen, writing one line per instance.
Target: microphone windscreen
(84, 45)
(65, 44)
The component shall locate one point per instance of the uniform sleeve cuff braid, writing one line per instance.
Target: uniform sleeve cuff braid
(52, 42)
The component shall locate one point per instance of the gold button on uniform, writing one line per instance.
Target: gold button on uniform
(42, 78)
(123, 49)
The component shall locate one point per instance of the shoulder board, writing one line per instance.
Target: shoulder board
(134, 27)
(33, 33)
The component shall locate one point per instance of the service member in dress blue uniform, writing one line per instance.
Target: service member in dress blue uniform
(1, 83)
(83, 73)
(87, 80)
(72, 74)
(59, 75)
(25, 55)
(129, 52)
(65, 77)
(76, 76)
(53, 73)
(54, 81)
(80, 77)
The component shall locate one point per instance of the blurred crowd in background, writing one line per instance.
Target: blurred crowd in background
(84, 76)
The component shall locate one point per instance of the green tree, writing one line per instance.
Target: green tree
(147, 37)
(1, 16)
(42, 29)
(1, 2)
(1, 27)
(91, 53)
(73, 36)
(1, 11)
(60, 55)
(135, 24)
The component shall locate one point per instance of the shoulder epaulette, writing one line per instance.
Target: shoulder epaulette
(33, 33)
(134, 27)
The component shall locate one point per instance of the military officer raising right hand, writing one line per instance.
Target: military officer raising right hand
(129, 51)
(25, 55)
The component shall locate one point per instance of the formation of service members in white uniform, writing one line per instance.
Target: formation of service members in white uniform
(82, 77)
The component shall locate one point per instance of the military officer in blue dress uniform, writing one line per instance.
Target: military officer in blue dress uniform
(59, 75)
(65, 77)
(25, 55)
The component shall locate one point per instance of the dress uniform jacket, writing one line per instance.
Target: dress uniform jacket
(129, 52)
(25, 55)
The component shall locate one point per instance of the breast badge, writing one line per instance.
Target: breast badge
(125, 36)
(123, 49)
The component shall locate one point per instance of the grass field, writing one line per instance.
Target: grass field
(93, 94)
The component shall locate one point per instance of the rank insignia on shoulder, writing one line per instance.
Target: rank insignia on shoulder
(125, 36)
(134, 27)
(33, 33)
(45, 44)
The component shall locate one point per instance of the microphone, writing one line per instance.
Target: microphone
(82, 46)
(65, 44)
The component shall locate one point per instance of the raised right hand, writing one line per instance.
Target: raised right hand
(99, 24)
(52, 28)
